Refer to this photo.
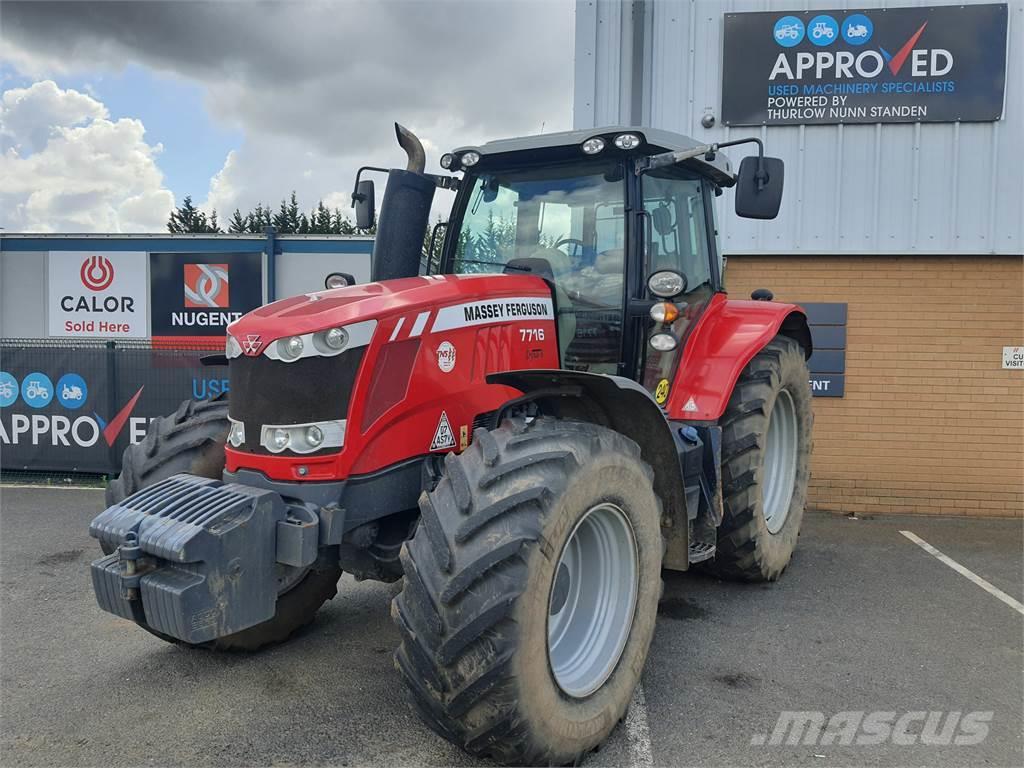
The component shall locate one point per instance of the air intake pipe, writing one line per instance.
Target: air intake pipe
(404, 212)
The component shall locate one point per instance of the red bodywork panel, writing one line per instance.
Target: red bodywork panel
(725, 339)
(469, 318)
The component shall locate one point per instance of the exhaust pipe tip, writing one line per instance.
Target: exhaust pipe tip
(407, 140)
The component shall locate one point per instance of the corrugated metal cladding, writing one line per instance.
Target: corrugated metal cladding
(935, 188)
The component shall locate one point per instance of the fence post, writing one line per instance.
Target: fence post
(271, 249)
(112, 399)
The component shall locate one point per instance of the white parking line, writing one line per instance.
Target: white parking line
(638, 734)
(994, 591)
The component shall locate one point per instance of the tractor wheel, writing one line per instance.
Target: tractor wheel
(192, 440)
(531, 590)
(766, 448)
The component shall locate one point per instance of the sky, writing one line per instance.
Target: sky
(112, 112)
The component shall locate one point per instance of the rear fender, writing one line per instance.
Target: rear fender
(626, 407)
(725, 339)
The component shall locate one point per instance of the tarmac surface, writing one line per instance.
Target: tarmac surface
(863, 621)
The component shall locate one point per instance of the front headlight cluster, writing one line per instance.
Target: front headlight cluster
(327, 343)
(302, 438)
(236, 435)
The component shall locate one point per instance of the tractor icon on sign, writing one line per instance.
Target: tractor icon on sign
(6, 390)
(72, 392)
(787, 32)
(822, 29)
(856, 31)
(36, 389)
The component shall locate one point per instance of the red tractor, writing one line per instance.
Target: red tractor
(526, 433)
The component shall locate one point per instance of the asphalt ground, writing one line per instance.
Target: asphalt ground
(864, 620)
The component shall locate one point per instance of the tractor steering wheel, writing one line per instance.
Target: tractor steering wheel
(571, 241)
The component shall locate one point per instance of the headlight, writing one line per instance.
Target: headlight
(664, 342)
(236, 435)
(279, 439)
(290, 348)
(232, 348)
(446, 160)
(666, 284)
(627, 141)
(303, 438)
(593, 146)
(314, 436)
(336, 280)
(330, 342)
(470, 158)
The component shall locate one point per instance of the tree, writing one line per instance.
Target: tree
(238, 224)
(188, 218)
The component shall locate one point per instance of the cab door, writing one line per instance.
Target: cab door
(677, 233)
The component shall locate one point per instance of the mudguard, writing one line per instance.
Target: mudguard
(725, 339)
(626, 407)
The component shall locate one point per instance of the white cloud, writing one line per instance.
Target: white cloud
(68, 168)
(313, 111)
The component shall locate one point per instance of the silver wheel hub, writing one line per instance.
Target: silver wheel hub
(780, 460)
(592, 600)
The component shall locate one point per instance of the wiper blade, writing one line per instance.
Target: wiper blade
(502, 264)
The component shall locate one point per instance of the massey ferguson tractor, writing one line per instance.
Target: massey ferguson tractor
(525, 433)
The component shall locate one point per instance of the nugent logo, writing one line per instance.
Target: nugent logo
(206, 285)
(97, 273)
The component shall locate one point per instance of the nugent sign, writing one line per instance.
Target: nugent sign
(97, 293)
(926, 64)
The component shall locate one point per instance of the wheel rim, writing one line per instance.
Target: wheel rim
(592, 600)
(779, 462)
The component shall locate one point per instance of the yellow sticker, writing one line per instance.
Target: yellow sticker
(661, 392)
(463, 437)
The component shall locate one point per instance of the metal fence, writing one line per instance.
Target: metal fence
(71, 407)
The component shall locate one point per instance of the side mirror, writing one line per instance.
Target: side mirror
(365, 204)
(759, 189)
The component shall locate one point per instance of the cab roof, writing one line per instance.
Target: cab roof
(653, 141)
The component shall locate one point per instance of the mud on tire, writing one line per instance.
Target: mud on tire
(192, 440)
(755, 540)
(479, 577)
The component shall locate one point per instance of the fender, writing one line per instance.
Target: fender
(626, 407)
(726, 338)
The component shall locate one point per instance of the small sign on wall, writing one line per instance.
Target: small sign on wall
(1013, 357)
(828, 336)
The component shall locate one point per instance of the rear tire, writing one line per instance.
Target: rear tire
(766, 448)
(485, 584)
(192, 440)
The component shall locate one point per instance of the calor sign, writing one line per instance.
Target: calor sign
(97, 293)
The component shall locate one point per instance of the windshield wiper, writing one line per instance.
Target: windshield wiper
(502, 264)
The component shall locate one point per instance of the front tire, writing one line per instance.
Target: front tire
(766, 449)
(192, 440)
(493, 657)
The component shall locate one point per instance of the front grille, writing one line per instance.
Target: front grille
(265, 391)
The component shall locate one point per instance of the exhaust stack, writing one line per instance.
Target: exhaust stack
(404, 214)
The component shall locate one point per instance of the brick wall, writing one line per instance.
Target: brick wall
(931, 423)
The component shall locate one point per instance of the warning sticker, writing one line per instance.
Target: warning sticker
(691, 406)
(443, 436)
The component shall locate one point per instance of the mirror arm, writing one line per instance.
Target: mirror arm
(444, 182)
(761, 177)
(356, 197)
(708, 151)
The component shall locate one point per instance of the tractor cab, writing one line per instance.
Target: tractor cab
(620, 221)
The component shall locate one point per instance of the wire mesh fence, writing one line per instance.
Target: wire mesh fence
(69, 408)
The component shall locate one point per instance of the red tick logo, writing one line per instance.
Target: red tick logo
(896, 62)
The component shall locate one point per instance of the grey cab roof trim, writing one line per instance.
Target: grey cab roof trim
(720, 169)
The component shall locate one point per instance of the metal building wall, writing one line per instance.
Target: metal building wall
(932, 188)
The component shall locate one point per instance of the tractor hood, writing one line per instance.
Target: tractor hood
(312, 312)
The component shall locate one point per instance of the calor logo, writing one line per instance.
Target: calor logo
(97, 273)
(206, 285)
